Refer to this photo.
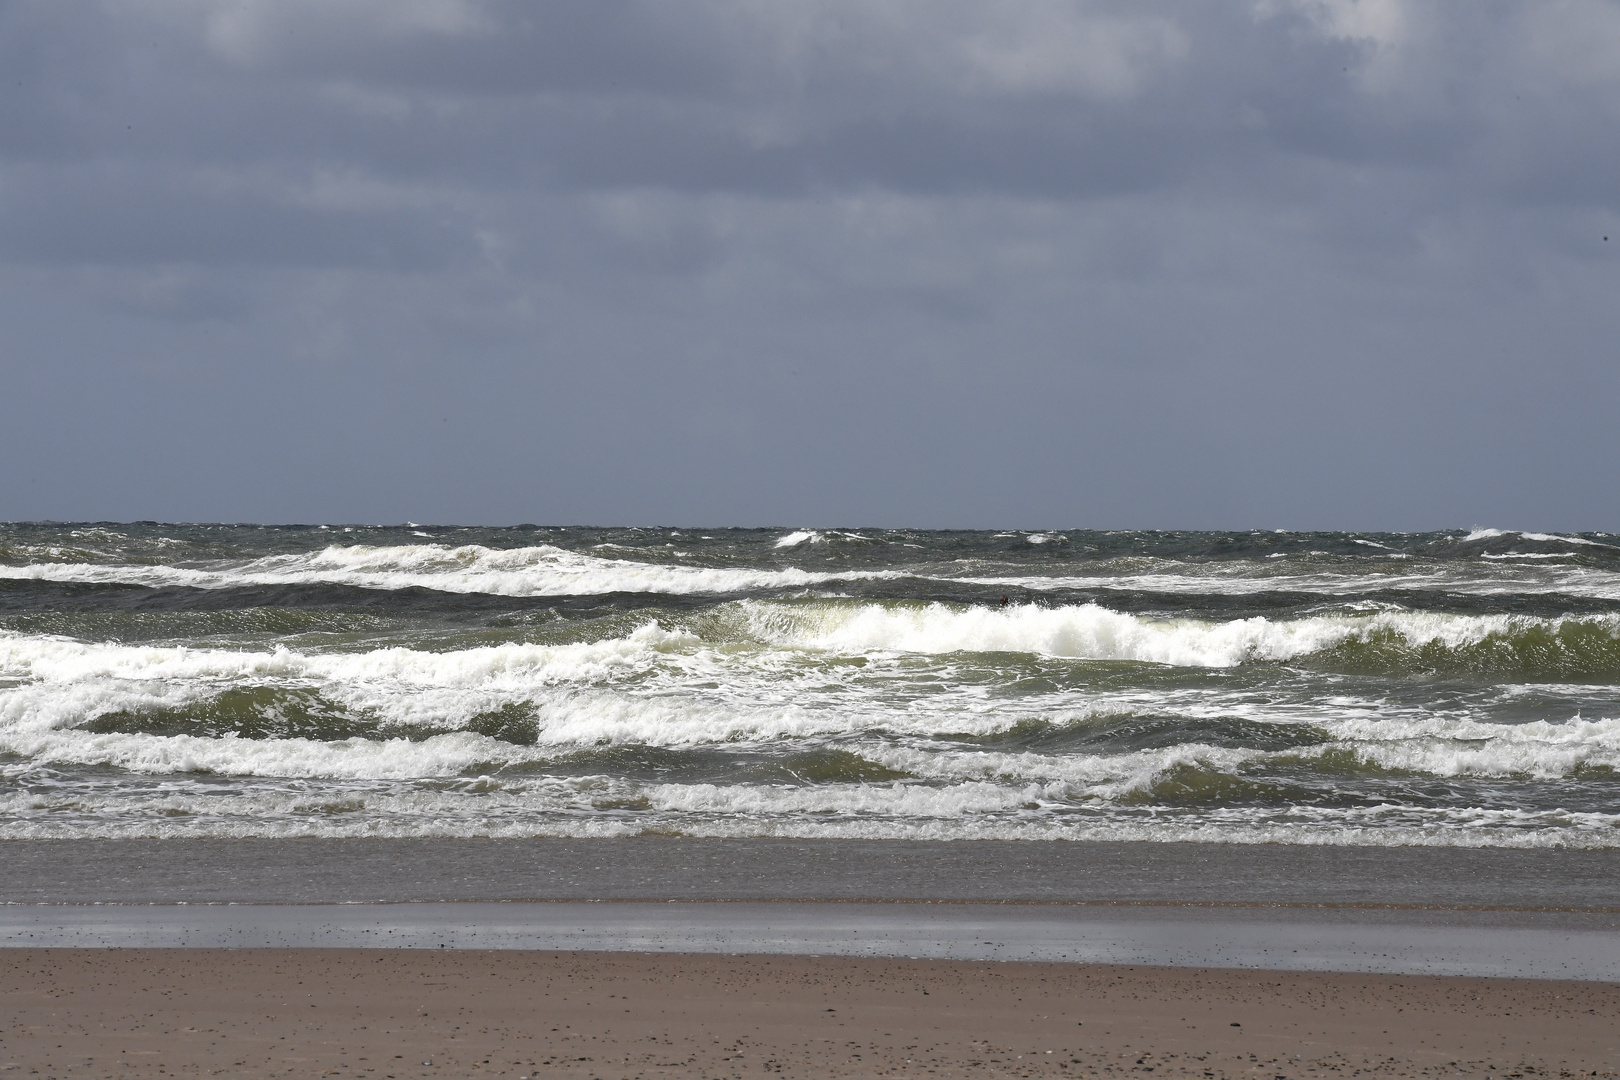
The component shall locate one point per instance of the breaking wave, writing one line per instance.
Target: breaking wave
(1544, 538)
(1450, 688)
(542, 570)
(1522, 646)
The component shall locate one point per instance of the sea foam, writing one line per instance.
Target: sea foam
(822, 684)
(1093, 632)
(541, 570)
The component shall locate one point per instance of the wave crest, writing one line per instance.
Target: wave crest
(541, 570)
(1531, 647)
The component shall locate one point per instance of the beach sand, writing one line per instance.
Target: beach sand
(387, 1013)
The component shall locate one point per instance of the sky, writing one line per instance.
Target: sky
(1304, 264)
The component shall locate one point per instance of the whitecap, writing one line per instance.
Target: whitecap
(542, 570)
(1092, 632)
(1546, 538)
(794, 539)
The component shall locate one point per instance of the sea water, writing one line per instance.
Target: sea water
(1453, 688)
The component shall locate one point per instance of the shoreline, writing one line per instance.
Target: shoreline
(1103, 905)
(1521, 945)
(677, 957)
(867, 871)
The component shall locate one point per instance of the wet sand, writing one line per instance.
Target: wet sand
(1392, 941)
(661, 989)
(386, 1013)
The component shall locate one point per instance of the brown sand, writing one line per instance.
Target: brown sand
(381, 1014)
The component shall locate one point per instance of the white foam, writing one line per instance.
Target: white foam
(794, 539)
(760, 656)
(544, 570)
(1243, 580)
(1429, 746)
(767, 679)
(1461, 746)
(1546, 538)
(61, 682)
(530, 571)
(1451, 747)
(1527, 555)
(773, 673)
(1091, 632)
(911, 801)
(586, 807)
(371, 759)
(1071, 778)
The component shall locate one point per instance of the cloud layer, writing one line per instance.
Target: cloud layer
(1335, 263)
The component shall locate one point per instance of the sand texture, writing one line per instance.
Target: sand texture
(400, 1013)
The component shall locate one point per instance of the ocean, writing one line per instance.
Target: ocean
(1363, 689)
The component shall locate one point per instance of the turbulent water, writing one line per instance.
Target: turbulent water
(1330, 688)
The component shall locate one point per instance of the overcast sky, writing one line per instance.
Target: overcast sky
(1258, 263)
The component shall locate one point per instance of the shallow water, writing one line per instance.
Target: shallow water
(1366, 689)
(1401, 942)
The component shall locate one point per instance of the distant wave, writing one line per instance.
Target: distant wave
(1545, 538)
(530, 571)
(1503, 579)
(544, 570)
(794, 539)
(1514, 644)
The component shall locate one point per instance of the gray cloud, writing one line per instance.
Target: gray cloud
(1288, 263)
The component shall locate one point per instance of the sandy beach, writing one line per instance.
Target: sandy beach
(1141, 971)
(396, 1014)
